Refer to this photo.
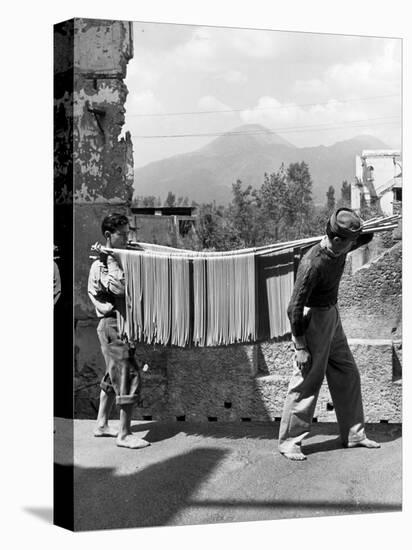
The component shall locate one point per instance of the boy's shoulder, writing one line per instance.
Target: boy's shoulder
(313, 256)
(315, 261)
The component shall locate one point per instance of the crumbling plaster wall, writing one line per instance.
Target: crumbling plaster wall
(102, 50)
(91, 58)
(102, 159)
(93, 162)
(63, 112)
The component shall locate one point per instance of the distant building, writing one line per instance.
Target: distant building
(166, 225)
(378, 180)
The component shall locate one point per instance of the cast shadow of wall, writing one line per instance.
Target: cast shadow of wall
(172, 492)
(150, 497)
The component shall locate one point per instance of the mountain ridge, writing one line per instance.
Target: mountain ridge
(247, 153)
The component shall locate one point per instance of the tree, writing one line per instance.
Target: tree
(281, 209)
(271, 203)
(330, 199)
(242, 215)
(345, 195)
(170, 199)
(298, 204)
(210, 227)
(149, 201)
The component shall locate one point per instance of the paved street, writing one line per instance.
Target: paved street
(209, 473)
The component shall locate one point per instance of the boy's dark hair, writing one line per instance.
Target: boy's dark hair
(113, 221)
(329, 232)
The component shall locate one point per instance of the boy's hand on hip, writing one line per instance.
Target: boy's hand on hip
(302, 358)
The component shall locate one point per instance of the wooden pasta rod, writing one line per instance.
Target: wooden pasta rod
(379, 229)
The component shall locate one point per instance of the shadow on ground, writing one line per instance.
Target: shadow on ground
(127, 501)
(172, 492)
(199, 473)
(260, 430)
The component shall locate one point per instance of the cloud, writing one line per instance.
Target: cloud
(270, 110)
(221, 121)
(375, 76)
(320, 123)
(159, 37)
(211, 103)
(143, 103)
(255, 43)
(277, 74)
(144, 71)
(357, 87)
(233, 77)
(197, 52)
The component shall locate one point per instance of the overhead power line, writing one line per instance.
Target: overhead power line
(286, 105)
(288, 129)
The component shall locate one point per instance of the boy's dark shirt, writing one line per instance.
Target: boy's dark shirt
(317, 282)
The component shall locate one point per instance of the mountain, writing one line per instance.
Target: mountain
(246, 153)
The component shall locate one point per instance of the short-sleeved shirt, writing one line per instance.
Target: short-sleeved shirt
(317, 281)
(106, 287)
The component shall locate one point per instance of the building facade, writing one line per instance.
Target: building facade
(378, 181)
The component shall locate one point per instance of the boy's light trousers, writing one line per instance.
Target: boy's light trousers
(331, 355)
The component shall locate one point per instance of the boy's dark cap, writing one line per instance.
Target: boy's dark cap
(346, 223)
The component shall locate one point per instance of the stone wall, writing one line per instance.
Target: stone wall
(235, 383)
(370, 298)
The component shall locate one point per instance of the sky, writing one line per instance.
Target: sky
(311, 89)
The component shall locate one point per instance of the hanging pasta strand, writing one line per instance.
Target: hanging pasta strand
(199, 299)
(161, 290)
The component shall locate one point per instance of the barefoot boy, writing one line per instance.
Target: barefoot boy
(121, 381)
(320, 343)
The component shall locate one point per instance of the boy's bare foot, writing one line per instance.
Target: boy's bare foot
(294, 456)
(368, 443)
(131, 442)
(105, 431)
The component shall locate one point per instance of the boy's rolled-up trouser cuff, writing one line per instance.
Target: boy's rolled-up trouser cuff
(126, 399)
